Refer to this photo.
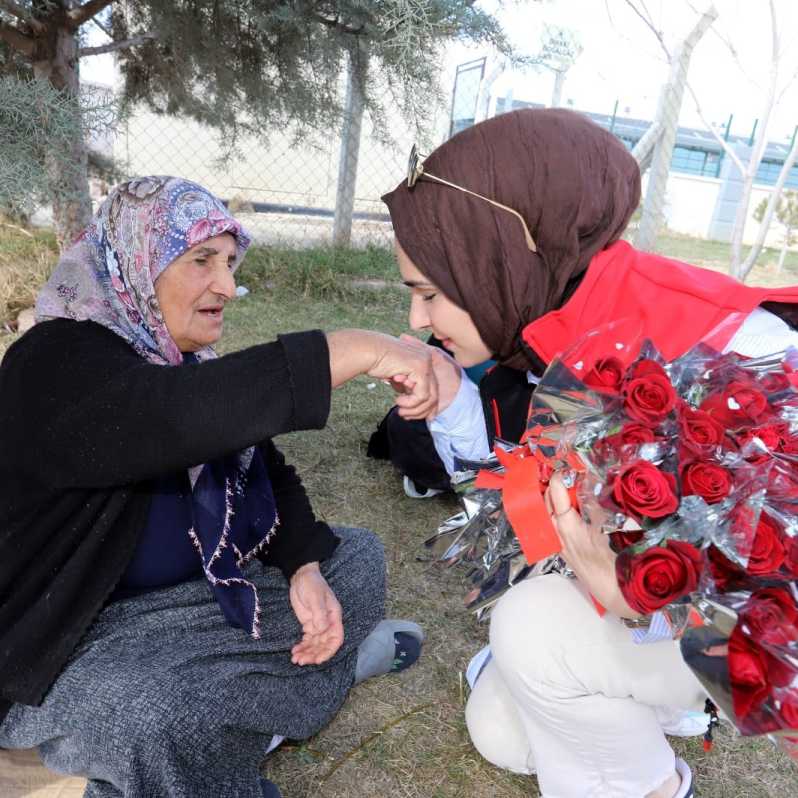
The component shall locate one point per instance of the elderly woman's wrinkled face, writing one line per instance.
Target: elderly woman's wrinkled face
(193, 289)
(431, 309)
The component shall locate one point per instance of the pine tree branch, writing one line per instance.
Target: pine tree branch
(120, 45)
(77, 16)
(22, 14)
(16, 39)
(338, 25)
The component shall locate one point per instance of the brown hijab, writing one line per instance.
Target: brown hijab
(576, 186)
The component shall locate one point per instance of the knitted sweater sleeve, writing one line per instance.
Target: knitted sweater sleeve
(82, 410)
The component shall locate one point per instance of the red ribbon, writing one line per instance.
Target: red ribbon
(522, 496)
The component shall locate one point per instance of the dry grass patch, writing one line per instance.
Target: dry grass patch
(26, 261)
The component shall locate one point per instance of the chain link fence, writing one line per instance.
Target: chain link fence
(324, 189)
(321, 190)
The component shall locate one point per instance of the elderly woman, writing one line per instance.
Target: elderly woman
(508, 236)
(170, 607)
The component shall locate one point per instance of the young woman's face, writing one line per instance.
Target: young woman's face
(431, 310)
(193, 289)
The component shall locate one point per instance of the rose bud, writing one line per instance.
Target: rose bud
(739, 404)
(767, 553)
(622, 540)
(648, 395)
(641, 490)
(747, 674)
(606, 375)
(771, 617)
(700, 432)
(659, 575)
(710, 481)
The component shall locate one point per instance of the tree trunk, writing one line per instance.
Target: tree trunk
(783, 253)
(350, 150)
(770, 211)
(57, 62)
(667, 119)
(737, 268)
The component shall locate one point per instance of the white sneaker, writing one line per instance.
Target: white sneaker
(681, 723)
(412, 492)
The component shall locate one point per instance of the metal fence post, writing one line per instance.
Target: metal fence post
(350, 150)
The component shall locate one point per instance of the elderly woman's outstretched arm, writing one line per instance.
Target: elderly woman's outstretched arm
(112, 418)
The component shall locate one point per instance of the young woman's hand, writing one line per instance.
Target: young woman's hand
(319, 612)
(587, 550)
(448, 371)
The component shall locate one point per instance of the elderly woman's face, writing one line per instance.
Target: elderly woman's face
(431, 309)
(193, 290)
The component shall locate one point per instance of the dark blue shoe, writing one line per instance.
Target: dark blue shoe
(270, 789)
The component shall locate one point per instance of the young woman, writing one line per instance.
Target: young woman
(508, 236)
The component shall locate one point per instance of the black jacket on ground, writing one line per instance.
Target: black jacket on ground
(85, 425)
(505, 395)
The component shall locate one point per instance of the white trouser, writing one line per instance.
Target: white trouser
(569, 695)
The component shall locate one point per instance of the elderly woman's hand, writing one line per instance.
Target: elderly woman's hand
(587, 550)
(319, 612)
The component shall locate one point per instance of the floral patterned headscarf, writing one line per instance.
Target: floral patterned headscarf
(108, 275)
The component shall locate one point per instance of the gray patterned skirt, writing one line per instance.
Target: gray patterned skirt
(164, 698)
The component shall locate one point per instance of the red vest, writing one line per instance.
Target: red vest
(675, 305)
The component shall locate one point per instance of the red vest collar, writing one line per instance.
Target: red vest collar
(675, 305)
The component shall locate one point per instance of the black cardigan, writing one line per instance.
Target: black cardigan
(85, 425)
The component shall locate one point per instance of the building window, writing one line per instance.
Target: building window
(768, 173)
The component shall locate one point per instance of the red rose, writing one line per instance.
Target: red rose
(621, 540)
(648, 395)
(635, 433)
(773, 436)
(771, 616)
(640, 489)
(789, 709)
(747, 674)
(791, 556)
(659, 575)
(709, 480)
(739, 404)
(767, 553)
(631, 434)
(606, 375)
(774, 382)
(723, 570)
(700, 431)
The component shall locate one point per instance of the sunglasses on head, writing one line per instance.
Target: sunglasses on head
(415, 172)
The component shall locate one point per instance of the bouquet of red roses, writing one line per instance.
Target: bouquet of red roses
(691, 467)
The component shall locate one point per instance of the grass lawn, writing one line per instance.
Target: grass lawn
(404, 735)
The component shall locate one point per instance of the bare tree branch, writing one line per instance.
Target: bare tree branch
(723, 143)
(787, 86)
(650, 25)
(77, 16)
(103, 28)
(22, 14)
(16, 39)
(123, 44)
(773, 202)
